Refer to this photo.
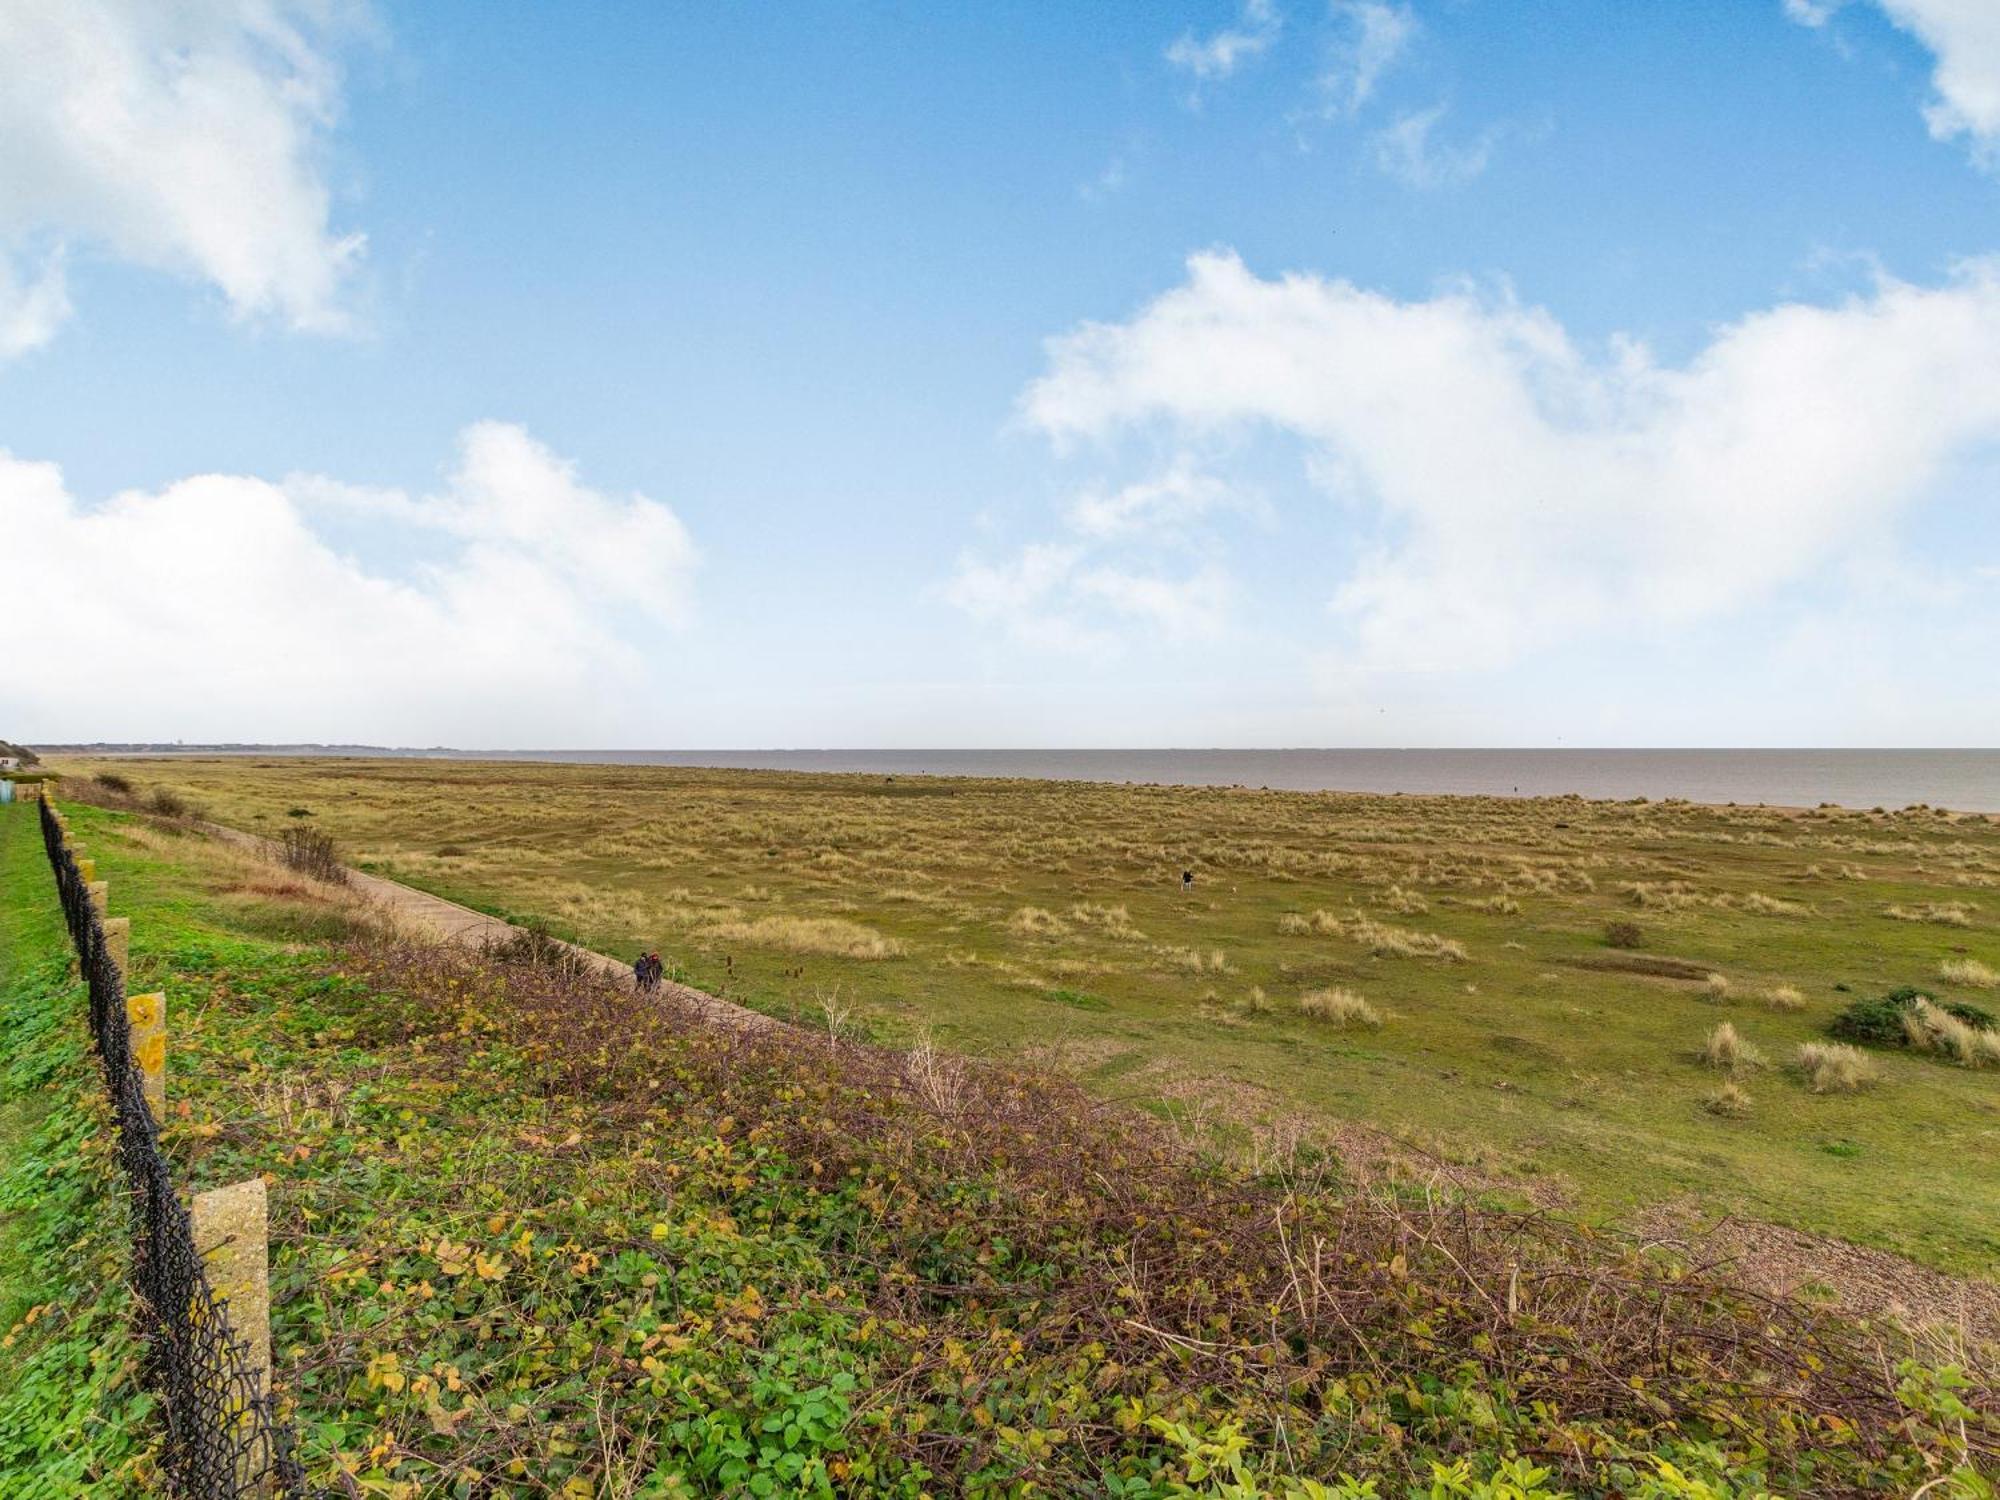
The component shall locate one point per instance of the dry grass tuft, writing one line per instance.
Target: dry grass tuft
(1033, 921)
(830, 937)
(1340, 1007)
(1944, 913)
(1716, 988)
(1379, 938)
(1782, 997)
(1661, 895)
(1931, 1028)
(1404, 903)
(1771, 906)
(1729, 1101)
(1969, 971)
(1725, 1049)
(1215, 961)
(1836, 1068)
(1113, 921)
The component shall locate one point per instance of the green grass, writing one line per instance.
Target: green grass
(72, 1417)
(1523, 1065)
(525, 1243)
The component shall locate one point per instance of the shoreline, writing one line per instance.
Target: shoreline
(898, 764)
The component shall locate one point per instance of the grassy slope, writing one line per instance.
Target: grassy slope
(71, 1417)
(1516, 1060)
(516, 1255)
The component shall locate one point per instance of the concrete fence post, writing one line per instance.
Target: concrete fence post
(146, 1036)
(232, 1232)
(100, 896)
(118, 943)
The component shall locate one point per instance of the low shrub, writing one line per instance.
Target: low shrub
(1623, 935)
(311, 852)
(1881, 1023)
(535, 946)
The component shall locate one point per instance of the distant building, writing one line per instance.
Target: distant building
(10, 762)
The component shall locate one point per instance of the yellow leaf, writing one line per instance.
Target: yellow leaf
(490, 1269)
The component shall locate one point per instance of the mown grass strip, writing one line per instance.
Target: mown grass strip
(73, 1417)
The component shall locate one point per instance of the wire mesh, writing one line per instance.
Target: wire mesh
(223, 1438)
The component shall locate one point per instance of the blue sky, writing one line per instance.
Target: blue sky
(1461, 373)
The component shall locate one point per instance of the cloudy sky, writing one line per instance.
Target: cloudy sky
(1298, 372)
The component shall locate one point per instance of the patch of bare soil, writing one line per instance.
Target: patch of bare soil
(1652, 965)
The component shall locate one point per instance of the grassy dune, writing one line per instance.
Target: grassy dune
(1435, 969)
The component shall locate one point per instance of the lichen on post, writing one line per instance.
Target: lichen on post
(146, 1033)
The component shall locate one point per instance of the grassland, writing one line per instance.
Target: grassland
(1513, 1047)
(532, 1237)
(73, 1417)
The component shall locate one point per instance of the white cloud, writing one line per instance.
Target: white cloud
(32, 310)
(1192, 607)
(1216, 57)
(1131, 558)
(1517, 491)
(216, 608)
(1049, 595)
(1377, 35)
(1407, 153)
(183, 137)
(1964, 37)
(1162, 503)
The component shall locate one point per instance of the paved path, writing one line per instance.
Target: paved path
(453, 923)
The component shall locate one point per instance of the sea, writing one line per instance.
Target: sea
(1962, 780)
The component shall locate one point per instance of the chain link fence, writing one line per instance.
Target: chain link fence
(222, 1437)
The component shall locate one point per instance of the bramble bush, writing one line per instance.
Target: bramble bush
(532, 1230)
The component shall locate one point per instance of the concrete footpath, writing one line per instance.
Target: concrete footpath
(452, 923)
